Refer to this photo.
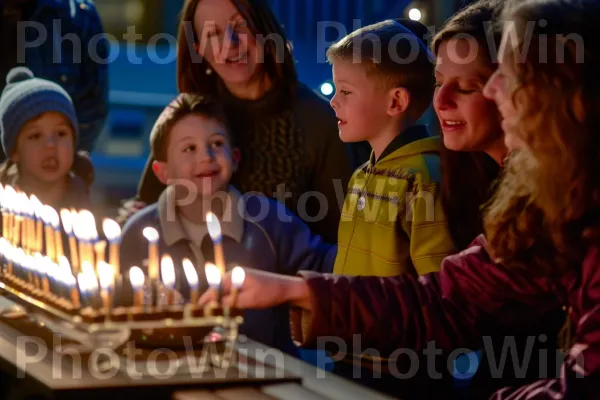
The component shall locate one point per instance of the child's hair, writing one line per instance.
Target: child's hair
(183, 105)
(393, 56)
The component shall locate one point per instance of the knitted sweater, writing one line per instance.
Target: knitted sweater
(293, 153)
(393, 221)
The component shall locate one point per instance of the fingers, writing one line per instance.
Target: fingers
(209, 296)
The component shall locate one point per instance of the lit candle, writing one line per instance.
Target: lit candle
(38, 210)
(167, 272)
(100, 249)
(213, 277)
(112, 231)
(192, 277)
(214, 230)
(18, 217)
(67, 221)
(90, 234)
(54, 221)
(38, 269)
(151, 235)
(31, 225)
(106, 274)
(88, 283)
(238, 275)
(136, 276)
(24, 211)
(9, 200)
(3, 209)
(69, 280)
(46, 273)
(49, 231)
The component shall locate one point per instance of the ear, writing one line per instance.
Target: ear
(15, 157)
(236, 157)
(160, 170)
(399, 101)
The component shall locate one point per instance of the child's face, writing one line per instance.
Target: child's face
(359, 104)
(44, 149)
(199, 156)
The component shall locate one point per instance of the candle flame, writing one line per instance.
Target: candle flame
(190, 273)
(238, 275)
(87, 268)
(88, 225)
(38, 208)
(53, 218)
(67, 220)
(106, 273)
(150, 234)
(214, 227)
(8, 197)
(38, 265)
(24, 205)
(167, 271)
(65, 267)
(112, 230)
(136, 276)
(213, 275)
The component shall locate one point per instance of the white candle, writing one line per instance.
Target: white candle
(151, 235)
(214, 230)
(167, 272)
(112, 231)
(192, 277)
(137, 278)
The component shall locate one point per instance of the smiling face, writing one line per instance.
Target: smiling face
(199, 154)
(226, 42)
(45, 149)
(469, 121)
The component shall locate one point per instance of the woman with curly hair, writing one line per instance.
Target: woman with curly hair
(547, 91)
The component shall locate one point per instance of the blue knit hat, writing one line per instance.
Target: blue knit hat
(26, 97)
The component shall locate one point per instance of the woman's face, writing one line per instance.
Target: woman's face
(226, 42)
(499, 89)
(469, 121)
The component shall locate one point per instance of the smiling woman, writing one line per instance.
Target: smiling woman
(235, 51)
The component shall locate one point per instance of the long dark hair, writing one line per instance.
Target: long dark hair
(468, 177)
(278, 62)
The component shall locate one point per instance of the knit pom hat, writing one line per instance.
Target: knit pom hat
(24, 98)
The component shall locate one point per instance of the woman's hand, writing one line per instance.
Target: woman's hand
(262, 290)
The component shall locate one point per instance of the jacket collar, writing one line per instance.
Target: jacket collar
(409, 135)
(232, 223)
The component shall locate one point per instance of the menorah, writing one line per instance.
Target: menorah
(75, 290)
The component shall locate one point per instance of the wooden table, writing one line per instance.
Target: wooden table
(260, 373)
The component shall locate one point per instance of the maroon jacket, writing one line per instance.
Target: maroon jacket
(453, 308)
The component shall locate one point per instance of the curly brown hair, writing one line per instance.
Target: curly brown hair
(551, 188)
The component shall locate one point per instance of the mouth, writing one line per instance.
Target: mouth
(453, 124)
(237, 59)
(50, 164)
(207, 174)
(342, 122)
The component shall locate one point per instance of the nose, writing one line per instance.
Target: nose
(231, 35)
(206, 154)
(333, 101)
(490, 88)
(50, 141)
(442, 98)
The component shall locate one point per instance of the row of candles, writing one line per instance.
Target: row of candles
(32, 248)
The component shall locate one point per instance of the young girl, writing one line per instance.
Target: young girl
(39, 132)
(548, 94)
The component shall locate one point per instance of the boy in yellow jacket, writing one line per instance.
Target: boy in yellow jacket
(392, 221)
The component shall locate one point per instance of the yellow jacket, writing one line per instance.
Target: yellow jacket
(392, 221)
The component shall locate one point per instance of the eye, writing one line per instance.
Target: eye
(437, 85)
(218, 143)
(34, 136)
(190, 149)
(344, 92)
(241, 24)
(466, 91)
(63, 133)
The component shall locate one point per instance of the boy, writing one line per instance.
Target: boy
(195, 159)
(392, 221)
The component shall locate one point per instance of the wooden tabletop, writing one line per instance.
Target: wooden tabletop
(260, 373)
